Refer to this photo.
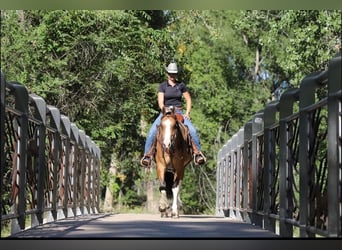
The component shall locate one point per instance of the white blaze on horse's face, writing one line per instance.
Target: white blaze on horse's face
(167, 135)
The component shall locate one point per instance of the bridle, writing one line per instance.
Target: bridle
(170, 149)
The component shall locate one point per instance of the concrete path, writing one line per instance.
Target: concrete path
(146, 226)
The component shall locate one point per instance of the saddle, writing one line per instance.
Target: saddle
(183, 128)
(180, 118)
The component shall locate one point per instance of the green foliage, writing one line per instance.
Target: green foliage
(294, 42)
(131, 199)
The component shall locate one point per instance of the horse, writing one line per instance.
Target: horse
(173, 154)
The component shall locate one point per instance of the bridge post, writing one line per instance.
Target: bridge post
(223, 187)
(231, 177)
(219, 182)
(227, 178)
(269, 161)
(55, 123)
(222, 182)
(306, 98)
(95, 181)
(2, 137)
(40, 115)
(247, 172)
(21, 104)
(82, 165)
(88, 174)
(287, 100)
(232, 170)
(257, 129)
(239, 172)
(66, 131)
(94, 178)
(75, 169)
(98, 169)
(334, 147)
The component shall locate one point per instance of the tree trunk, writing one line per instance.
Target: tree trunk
(149, 195)
(257, 64)
(151, 200)
(109, 196)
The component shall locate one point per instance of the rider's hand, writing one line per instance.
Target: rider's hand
(187, 116)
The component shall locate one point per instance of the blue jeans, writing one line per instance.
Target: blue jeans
(153, 131)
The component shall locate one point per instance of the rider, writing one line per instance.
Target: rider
(170, 93)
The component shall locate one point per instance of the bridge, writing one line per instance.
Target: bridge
(278, 176)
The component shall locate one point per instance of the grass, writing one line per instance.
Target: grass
(7, 225)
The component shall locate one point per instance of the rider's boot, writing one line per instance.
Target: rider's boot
(199, 157)
(146, 160)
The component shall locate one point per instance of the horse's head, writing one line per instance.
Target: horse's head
(168, 129)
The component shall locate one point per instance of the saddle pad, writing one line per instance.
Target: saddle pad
(180, 118)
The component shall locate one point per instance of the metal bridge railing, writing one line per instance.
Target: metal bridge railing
(50, 169)
(282, 170)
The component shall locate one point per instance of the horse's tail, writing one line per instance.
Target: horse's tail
(169, 183)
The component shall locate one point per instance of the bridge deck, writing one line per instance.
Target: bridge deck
(147, 226)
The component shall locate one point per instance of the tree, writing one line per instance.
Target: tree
(102, 59)
(293, 43)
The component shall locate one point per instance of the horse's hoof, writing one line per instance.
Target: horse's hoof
(175, 215)
(164, 214)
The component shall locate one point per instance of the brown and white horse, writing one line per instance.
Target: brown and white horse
(173, 154)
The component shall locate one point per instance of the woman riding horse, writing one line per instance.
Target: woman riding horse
(170, 93)
(173, 153)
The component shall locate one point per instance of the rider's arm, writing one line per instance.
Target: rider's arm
(161, 100)
(187, 98)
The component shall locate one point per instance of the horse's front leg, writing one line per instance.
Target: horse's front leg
(176, 199)
(163, 202)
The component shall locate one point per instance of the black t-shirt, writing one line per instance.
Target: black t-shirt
(172, 94)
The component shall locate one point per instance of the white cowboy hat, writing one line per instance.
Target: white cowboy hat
(172, 68)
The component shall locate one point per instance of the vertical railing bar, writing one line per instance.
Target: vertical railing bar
(257, 127)
(21, 104)
(247, 165)
(269, 165)
(65, 122)
(306, 98)
(40, 114)
(2, 141)
(286, 105)
(334, 149)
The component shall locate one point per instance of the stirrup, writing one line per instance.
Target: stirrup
(199, 158)
(146, 161)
